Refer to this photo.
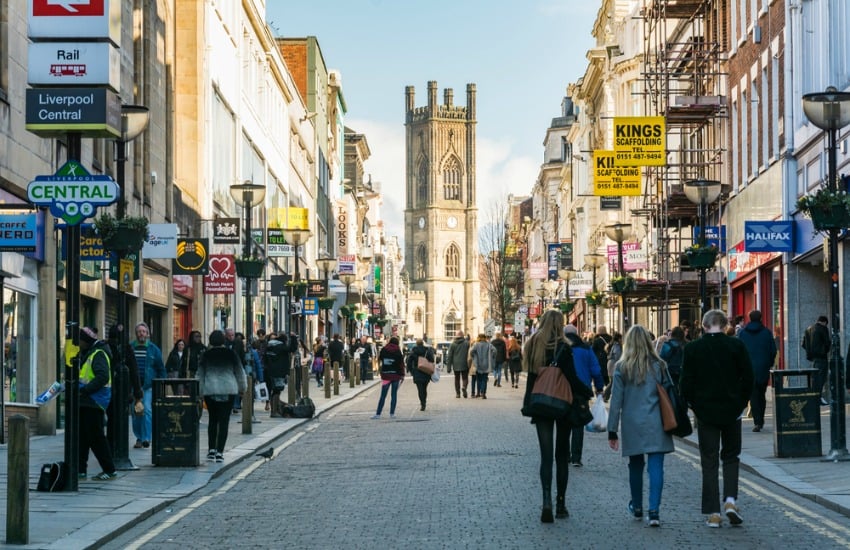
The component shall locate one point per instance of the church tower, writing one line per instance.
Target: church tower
(441, 218)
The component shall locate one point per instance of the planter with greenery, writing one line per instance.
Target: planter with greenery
(566, 307)
(327, 303)
(347, 311)
(828, 209)
(701, 257)
(126, 234)
(360, 315)
(594, 298)
(251, 268)
(622, 284)
(299, 288)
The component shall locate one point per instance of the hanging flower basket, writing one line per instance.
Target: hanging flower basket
(123, 235)
(701, 257)
(347, 312)
(622, 284)
(250, 268)
(567, 307)
(298, 288)
(828, 209)
(326, 303)
(361, 316)
(594, 298)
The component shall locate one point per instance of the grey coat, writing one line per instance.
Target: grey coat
(456, 357)
(483, 356)
(641, 417)
(220, 372)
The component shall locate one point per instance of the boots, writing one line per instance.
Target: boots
(561, 508)
(546, 514)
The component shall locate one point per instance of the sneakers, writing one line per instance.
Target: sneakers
(211, 454)
(138, 444)
(757, 428)
(81, 475)
(219, 457)
(824, 402)
(576, 464)
(733, 514)
(714, 521)
(376, 417)
(636, 513)
(653, 519)
(146, 444)
(103, 476)
(392, 415)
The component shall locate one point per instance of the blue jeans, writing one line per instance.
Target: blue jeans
(655, 469)
(497, 373)
(384, 387)
(142, 424)
(482, 383)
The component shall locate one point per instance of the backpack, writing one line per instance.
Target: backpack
(674, 358)
(52, 478)
(303, 408)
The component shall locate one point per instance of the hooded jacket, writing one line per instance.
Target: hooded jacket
(585, 362)
(762, 349)
(391, 360)
(456, 356)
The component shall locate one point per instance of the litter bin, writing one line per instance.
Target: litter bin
(176, 422)
(796, 413)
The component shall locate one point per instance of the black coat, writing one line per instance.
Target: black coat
(501, 349)
(336, 351)
(565, 363)
(278, 356)
(413, 360)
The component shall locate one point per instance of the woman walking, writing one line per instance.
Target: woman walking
(634, 399)
(221, 378)
(514, 351)
(319, 360)
(174, 363)
(391, 361)
(544, 347)
(482, 356)
(420, 378)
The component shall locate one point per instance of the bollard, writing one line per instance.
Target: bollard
(327, 377)
(17, 490)
(292, 382)
(357, 372)
(349, 370)
(305, 380)
(248, 405)
(336, 377)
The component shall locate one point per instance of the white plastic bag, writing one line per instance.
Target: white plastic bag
(600, 417)
(436, 376)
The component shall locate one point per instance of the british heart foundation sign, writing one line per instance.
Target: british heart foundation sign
(221, 277)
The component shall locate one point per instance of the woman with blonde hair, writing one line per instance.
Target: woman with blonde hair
(634, 399)
(546, 347)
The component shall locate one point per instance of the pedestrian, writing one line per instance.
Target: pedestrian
(420, 378)
(95, 394)
(762, 350)
(278, 363)
(391, 360)
(613, 351)
(305, 357)
(336, 354)
(366, 354)
(482, 357)
(739, 324)
(588, 371)
(457, 362)
(121, 354)
(716, 382)
(239, 347)
(545, 346)
(514, 350)
(673, 353)
(635, 409)
(149, 360)
(599, 344)
(318, 367)
(174, 363)
(498, 342)
(193, 353)
(816, 342)
(221, 378)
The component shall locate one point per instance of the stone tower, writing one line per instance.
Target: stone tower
(441, 218)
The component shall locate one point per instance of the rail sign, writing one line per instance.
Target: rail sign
(611, 178)
(72, 193)
(74, 63)
(640, 141)
(90, 19)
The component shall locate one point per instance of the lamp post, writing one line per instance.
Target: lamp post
(564, 275)
(248, 195)
(619, 232)
(325, 264)
(371, 297)
(347, 279)
(541, 293)
(830, 111)
(594, 261)
(297, 237)
(701, 193)
(134, 120)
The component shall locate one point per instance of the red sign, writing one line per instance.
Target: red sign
(221, 278)
(183, 285)
(86, 8)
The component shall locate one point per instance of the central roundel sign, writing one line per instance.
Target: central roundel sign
(72, 193)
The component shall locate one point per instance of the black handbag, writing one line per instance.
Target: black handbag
(683, 426)
(579, 414)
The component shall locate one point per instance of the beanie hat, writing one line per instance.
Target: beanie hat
(88, 335)
(570, 329)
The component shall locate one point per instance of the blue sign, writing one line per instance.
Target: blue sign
(310, 306)
(713, 235)
(18, 232)
(768, 236)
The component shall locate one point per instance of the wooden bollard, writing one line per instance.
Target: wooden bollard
(292, 382)
(248, 405)
(336, 377)
(305, 380)
(17, 490)
(350, 370)
(326, 374)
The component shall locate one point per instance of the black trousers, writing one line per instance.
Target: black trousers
(461, 375)
(553, 436)
(92, 438)
(758, 402)
(718, 443)
(422, 389)
(219, 412)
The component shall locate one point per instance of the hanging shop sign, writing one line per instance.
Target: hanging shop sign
(91, 19)
(773, 236)
(226, 231)
(612, 178)
(18, 232)
(221, 276)
(93, 112)
(276, 244)
(640, 141)
(161, 242)
(347, 264)
(298, 218)
(74, 64)
(192, 257)
(72, 193)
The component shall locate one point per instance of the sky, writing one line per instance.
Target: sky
(521, 55)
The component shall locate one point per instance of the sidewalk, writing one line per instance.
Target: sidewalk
(99, 509)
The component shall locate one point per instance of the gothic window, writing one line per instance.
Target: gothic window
(451, 180)
(422, 184)
(421, 262)
(417, 315)
(453, 262)
(451, 324)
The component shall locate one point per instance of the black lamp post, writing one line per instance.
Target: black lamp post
(249, 195)
(325, 264)
(701, 193)
(134, 120)
(594, 261)
(347, 279)
(619, 232)
(830, 111)
(297, 237)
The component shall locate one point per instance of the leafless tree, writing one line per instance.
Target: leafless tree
(493, 244)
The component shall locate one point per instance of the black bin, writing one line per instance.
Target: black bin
(796, 413)
(176, 422)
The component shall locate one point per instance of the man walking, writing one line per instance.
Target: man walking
(762, 350)
(149, 360)
(816, 342)
(457, 361)
(716, 382)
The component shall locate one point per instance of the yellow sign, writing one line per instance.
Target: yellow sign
(298, 218)
(125, 274)
(614, 181)
(640, 141)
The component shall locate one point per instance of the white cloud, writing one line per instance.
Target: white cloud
(500, 170)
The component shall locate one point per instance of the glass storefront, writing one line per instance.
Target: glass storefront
(19, 377)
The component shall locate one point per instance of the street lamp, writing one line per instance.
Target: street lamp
(134, 120)
(347, 279)
(296, 237)
(564, 275)
(325, 264)
(830, 111)
(541, 291)
(594, 261)
(248, 195)
(701, 193)
(619, 232)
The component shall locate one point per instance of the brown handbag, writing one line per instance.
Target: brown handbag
(423, 365)
(668, 415)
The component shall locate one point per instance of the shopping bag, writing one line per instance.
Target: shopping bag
(436, 376)
(600, 417)
(261, 392)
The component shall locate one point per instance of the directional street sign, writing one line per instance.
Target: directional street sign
(72, 193)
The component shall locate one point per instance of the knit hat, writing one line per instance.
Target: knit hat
(88, 335)
(570, 329)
